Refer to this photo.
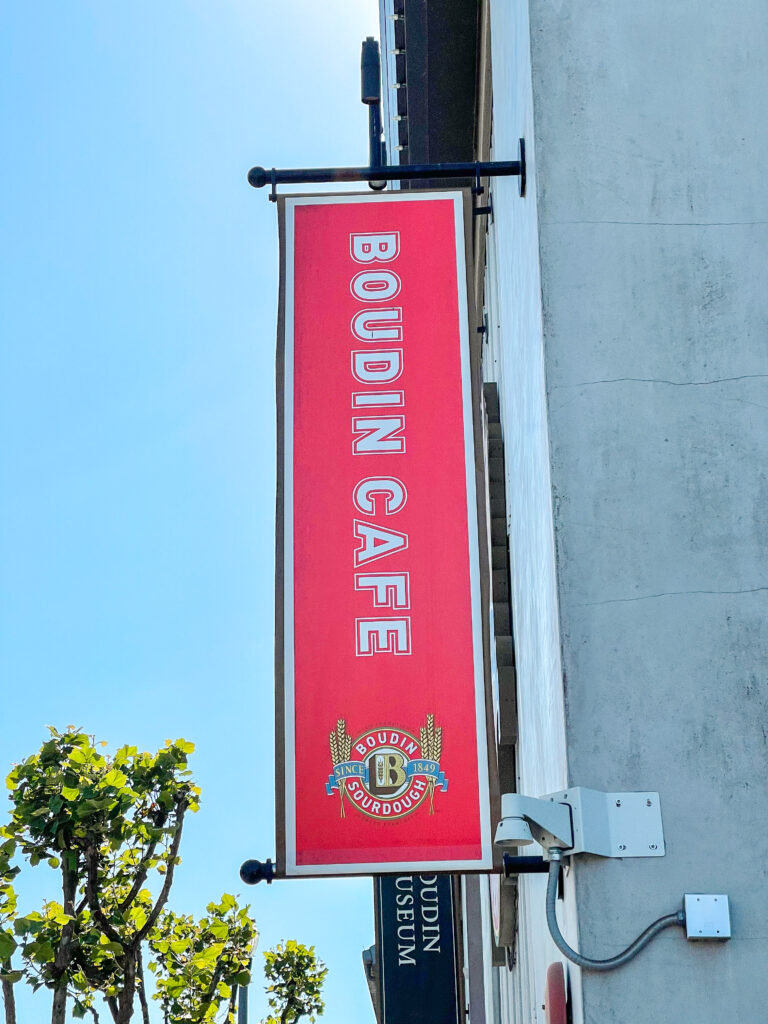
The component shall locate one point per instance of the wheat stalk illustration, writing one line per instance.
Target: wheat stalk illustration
(341, 748)
(431, 740)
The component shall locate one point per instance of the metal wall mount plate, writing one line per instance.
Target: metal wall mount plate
(614, 824)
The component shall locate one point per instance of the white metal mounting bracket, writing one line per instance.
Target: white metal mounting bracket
(584, 821)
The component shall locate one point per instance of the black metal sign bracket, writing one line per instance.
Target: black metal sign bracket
(259, 176)
(378, 173)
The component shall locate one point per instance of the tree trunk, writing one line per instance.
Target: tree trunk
(234, 999)
(126, 997)
(142, 990)
(64, 952)
(59, 1009)
(9, 997)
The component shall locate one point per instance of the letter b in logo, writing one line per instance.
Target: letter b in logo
(386, 772)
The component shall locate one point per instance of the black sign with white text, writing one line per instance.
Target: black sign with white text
(416, 946)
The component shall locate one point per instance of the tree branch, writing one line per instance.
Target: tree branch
(208, 997)
(91, 892)
(97, 979)
(162, 899)
(141, 878)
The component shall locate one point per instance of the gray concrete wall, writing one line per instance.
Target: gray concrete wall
(651, 153)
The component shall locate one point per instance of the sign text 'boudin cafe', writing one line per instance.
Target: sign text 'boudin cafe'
(382, 749)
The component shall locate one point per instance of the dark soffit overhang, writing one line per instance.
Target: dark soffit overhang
(436, 74)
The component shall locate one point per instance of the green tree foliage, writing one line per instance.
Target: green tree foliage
(295, 975)
(198, 965)
(7, 917)
(111, 827)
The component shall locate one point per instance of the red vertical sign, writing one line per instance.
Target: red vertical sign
(383, 762)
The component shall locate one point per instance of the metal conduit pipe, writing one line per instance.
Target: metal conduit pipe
(586, 962)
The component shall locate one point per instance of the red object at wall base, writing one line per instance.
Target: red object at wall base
(554, 995)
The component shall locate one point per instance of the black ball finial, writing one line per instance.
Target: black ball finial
(254, 871)
(257, 177)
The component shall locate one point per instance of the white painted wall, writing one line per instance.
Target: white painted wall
(514, 357)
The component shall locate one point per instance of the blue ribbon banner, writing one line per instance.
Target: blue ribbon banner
(356, 769)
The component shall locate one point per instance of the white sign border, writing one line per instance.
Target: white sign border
(485, 861)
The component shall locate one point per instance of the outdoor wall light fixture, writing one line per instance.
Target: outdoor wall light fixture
(580, 820)
(378, 173)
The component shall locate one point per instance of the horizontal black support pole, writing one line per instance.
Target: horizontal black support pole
(259, 176)
(524, 865)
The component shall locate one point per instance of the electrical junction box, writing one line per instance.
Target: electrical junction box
(707, 916)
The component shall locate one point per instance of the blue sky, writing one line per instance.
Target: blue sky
(138, 282)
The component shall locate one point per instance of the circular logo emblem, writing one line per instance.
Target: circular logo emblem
(386, 773)
(386, 788)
